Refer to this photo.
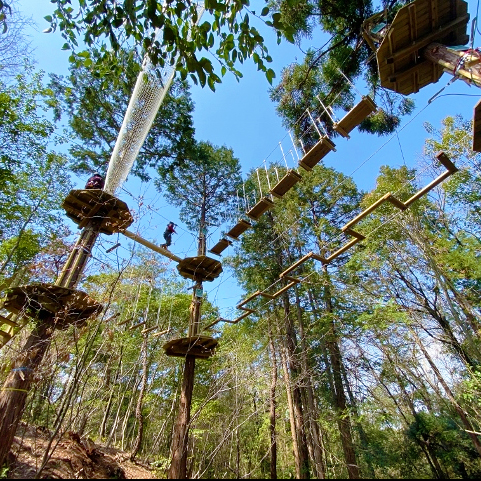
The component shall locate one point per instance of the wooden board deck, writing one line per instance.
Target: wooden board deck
(239, 229)
(477, 127)
(201, 347)
(285, 184)
(50, 303)
(221, 246)
(355, 116)
(400, 63)
(199, 268)
(110, 214)
(317, 153)
(262, 206)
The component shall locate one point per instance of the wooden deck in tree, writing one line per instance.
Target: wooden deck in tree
(477, 127)
(285, 184)
(262, 206)
(239, 229)
(109, 214)
(199, 268)
(221, 246)
(50, 303)
(355, 116)
(317, 153)
(401, 65)
(201, 347)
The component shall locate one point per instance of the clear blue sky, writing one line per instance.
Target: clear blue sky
(241, 116)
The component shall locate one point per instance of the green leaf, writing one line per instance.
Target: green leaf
(265, 11)
(65, 46)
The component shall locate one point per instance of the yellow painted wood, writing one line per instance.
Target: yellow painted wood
(355, 116)
(262, 206)
(239, 229)
(151, 246)
(317, 153)
(285, 184)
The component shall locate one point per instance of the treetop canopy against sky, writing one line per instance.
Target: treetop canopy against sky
(240, 115)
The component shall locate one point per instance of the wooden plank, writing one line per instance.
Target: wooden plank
(366, 212)
(220, 246)
(285, 184)
(151, 246)
(317, 153)
(429, 187)
(6, 337)
(355, 116)
(444, 159)
(239, 229)
(296, 264)
(477, 127)
(9, 322)
(342, 249)
(262, 206)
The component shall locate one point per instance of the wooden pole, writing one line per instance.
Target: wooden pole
(466, 64)
(180, 439)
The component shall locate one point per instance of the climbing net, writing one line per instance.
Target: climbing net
(150, 89)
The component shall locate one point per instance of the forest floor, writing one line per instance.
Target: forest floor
(73, 458)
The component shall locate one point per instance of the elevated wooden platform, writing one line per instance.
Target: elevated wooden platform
(199, 268)
(201, 347)
(285, 184)
(50, 303)
(94, 205)
(401, 65)
(355, 116)
(221, 246)
(262, 206)
(239, 229)
(477, 127)
(317, 153)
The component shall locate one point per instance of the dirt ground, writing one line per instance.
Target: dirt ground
(73, 458)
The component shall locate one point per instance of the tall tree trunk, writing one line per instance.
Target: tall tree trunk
(140, 399)
(343, 419)
(272, 406)
(467, 424)
(178, 467)
(287, 382)
(17, 385)
(314, 437)
(290, 340)
(111, 396)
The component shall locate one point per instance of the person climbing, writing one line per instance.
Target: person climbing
(95, 182)
(170, 229)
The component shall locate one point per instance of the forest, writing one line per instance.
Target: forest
(366, 366)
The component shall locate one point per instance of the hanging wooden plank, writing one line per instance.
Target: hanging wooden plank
(221, 246)
(262, 206)
(239, 229)
(9, 322)
(355, 116)
(317, 153)
(477, 127)
(286, 183)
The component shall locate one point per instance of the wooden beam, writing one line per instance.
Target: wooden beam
(151, 246)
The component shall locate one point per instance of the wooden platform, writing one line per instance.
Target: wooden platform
(355, 116)
(200, 268)
(94, 205)
(317, 153)
(239, 229)
(401, 65)
(285, 184)
(477, 127)
(221, 246)
(50, 303)
(262, 206)
(201, 347)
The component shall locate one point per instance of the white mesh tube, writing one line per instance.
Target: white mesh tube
(149, 92)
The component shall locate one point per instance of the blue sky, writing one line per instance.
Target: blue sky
(240, 116)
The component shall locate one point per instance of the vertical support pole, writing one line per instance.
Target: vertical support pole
(267, 175)
(259, 181)
(283, 156)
